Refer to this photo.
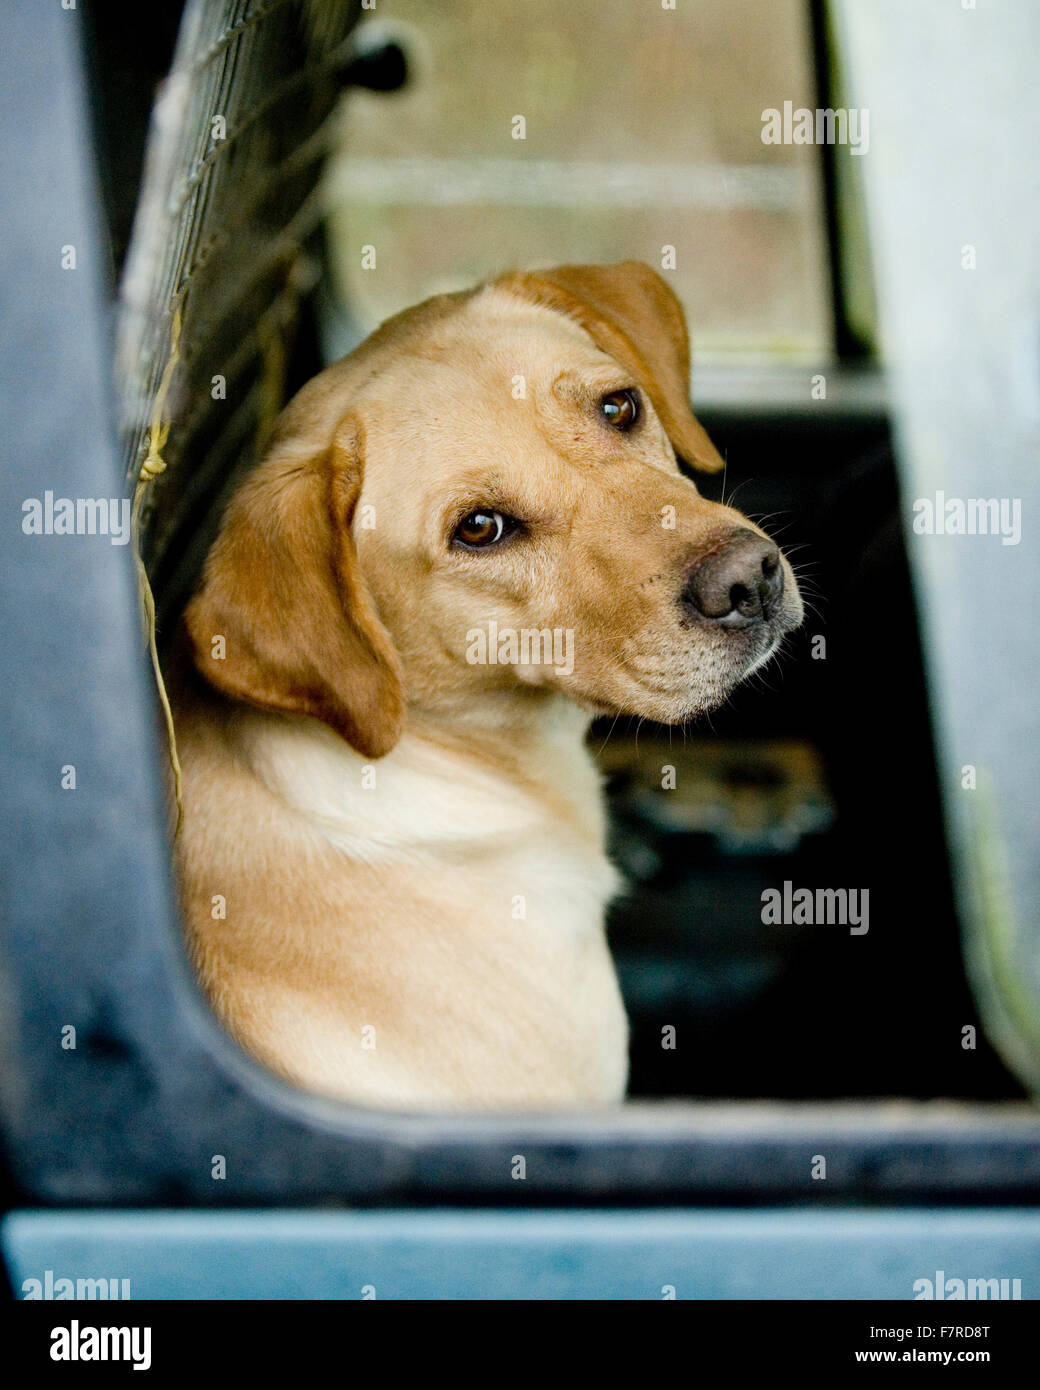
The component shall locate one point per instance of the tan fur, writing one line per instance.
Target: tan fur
(408, 843)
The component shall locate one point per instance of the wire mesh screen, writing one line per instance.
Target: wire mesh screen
(222, 255)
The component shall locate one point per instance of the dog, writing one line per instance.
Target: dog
(466, 540)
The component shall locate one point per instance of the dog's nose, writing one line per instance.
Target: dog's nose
(740, 582)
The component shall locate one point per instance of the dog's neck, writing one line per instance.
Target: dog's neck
(445, 784)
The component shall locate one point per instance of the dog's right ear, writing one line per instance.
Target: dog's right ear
(283, 588)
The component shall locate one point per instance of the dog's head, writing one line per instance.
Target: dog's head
(484, 501)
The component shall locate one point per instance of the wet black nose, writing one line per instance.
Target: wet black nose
(740, 582)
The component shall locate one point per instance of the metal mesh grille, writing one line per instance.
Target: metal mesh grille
(222, 233)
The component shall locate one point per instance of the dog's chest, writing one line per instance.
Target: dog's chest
(480, 849)
(472, 912)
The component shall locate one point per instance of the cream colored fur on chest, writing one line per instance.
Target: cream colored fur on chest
(448, 933)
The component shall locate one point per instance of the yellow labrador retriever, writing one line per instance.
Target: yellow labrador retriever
(468, 538)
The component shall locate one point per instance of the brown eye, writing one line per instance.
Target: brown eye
(620, 409)
(481, 529)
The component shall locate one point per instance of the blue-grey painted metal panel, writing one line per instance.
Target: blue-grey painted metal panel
(770, 1254)
(88, 928)
(952, 178)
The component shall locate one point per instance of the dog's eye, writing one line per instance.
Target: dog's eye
(620, 409)
(481, 529)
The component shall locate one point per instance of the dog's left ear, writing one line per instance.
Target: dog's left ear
(630, 313)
